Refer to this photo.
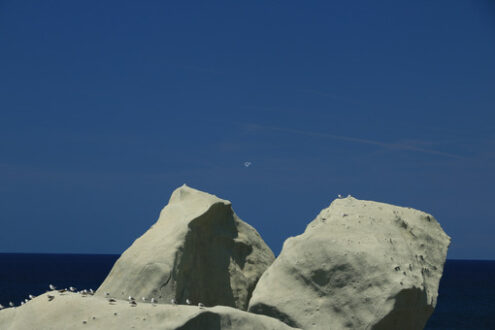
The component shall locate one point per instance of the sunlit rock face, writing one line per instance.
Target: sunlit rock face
(198, 249)
(358, 265)
(74, 311)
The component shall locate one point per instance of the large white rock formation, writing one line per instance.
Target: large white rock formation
(75, 311)
(358, 265)
(198, 250)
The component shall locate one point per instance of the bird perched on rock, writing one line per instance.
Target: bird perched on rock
(188, 301)
(11, 304)
(1, 307)
(31, 296)
(172, 301)
(91, 291)
(72, 289)
(131, 298)
(200, 305)
(153, 300)
(26, 300)
(133, 303)
(52, 287)
(143, 299)
(50, 297)
(111, 300)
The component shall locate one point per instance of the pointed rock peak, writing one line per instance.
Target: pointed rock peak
(184, 193)
(198, 249)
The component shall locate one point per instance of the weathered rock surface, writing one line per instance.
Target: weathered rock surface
(74, 311)
(198, 250)
(358, 265)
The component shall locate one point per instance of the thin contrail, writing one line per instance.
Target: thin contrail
(396, 146)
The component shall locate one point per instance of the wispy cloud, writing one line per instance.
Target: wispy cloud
(390, 146)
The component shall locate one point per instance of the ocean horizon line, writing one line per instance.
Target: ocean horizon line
(118, 254)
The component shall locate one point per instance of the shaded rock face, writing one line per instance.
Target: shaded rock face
(358, 265)
(198, 250)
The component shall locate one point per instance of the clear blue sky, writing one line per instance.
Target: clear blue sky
(107, 106)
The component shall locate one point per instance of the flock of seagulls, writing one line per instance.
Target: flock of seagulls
(132, 300)
(340, 196)
(11, 304)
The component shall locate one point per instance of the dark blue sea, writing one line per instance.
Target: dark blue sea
(466, 298)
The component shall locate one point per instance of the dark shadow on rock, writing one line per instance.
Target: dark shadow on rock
(272, 311)
(408, 313)
(203, 321)
(203, 272)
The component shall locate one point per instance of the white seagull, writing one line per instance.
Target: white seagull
(172, 301)
(130, 298)
(31, 296)
(11, 304)
(200, 305)
(143, 299)
(72, 289)
(188, 301)
(52, 287)
(1, 307)
(153, 300)
(339, 196)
